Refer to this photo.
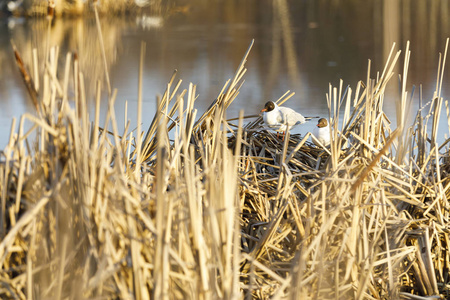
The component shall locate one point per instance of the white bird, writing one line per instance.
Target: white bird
(322, 132)
(279, 118)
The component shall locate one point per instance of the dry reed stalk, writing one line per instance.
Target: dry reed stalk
(102, 46)
(26, 77)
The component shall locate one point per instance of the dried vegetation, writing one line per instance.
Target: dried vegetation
(222, 210)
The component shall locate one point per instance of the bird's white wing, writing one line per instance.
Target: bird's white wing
(281, 119)
(291, 117)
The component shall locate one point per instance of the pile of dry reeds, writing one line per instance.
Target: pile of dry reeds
(221, 210)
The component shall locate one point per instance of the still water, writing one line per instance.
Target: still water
(301, 46)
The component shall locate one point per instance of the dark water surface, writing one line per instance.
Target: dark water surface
(301, 46)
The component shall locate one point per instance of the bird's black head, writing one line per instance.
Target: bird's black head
(322, 122)
(269, 106)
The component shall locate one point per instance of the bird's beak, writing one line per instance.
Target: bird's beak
(263, 110)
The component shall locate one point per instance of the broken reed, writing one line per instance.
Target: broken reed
(222, 210)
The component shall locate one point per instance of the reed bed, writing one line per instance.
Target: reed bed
(222, 210)
(71, 8)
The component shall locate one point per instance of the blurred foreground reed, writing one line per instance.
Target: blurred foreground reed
(222, 210)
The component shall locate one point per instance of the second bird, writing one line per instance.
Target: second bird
(322, 132)
(278, 118)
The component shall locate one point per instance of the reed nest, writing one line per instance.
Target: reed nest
(218, 208)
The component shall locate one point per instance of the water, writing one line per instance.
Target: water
(301, 46)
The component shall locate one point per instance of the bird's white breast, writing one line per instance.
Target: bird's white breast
(322, 134)
(274, 120)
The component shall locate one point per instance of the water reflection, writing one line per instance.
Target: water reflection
(300, 46)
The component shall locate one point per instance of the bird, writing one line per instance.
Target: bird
(322, 132)
(279, 118)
